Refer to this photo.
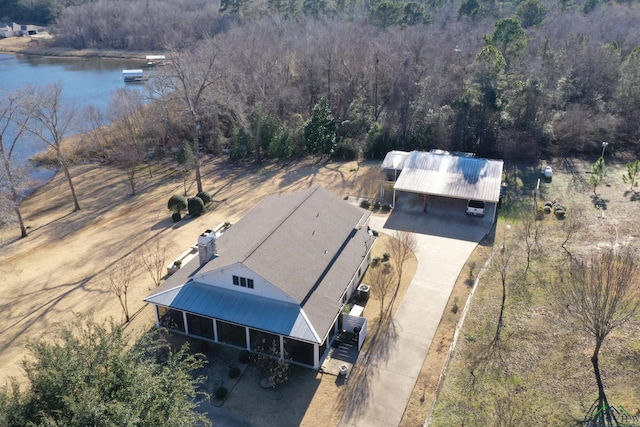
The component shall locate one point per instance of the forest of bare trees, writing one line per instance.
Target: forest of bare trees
(507, 80)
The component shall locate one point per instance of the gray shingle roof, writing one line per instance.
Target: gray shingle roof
(304, 243)
(461, 177)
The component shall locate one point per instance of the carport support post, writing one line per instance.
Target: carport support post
(495, 212)
(424, 202)
(394, 197)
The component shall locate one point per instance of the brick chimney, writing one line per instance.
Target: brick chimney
(207, 246)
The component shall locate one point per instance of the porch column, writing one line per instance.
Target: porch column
(281, 347)
(155, 312)
(316, 356)
(186, 325)
(215, 330)
(247, 338)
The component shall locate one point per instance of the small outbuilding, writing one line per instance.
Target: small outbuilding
(452, 175)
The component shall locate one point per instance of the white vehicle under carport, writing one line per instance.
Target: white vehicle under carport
(475, 207)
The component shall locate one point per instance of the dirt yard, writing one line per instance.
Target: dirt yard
(63, 266)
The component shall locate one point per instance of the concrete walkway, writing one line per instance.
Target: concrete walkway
(444, 243)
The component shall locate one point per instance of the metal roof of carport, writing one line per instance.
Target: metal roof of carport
(455, 176)
(395, 160)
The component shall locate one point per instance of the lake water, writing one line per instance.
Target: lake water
(85, 82)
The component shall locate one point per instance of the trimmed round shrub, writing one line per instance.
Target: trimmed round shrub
(177, 203)
(176, 216)
(234, 372)
(196, 206)
(221, 392)
(205, 197)
(244, 356)
(365, 204)
(376, 205)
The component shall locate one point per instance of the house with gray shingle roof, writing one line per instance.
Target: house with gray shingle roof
(278, 277)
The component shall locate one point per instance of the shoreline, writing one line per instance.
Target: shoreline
(38, 46)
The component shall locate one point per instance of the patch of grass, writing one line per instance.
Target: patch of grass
(539, 373)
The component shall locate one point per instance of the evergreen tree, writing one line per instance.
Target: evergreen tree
(89, 376)
(320, 130)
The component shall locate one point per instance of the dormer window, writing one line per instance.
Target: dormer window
(243, 282)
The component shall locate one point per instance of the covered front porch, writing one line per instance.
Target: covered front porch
(285, 347)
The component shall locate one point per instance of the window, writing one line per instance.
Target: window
(243, 282)
(170, 318)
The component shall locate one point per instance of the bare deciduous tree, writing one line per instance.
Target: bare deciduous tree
(599, 295)
(503, 263)
(13, 116)
(189, 74)
(383, 284)
(153, 256)
(54, 119)
(119, 282)
(570, 227)
(400, 247)
(128, 148)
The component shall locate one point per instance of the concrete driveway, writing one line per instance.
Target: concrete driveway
(445, 238)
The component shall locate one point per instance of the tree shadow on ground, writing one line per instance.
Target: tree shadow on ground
(299, 170)
(578, 181)
(353, 397)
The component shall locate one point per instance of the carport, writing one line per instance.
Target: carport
(451, 175)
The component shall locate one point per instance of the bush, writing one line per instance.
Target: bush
(221, 393)
(281, 146)
(376, 205)
(365, 204)
(244, 357)
(385, 257)
(539, 213)
(386, 207)
(375, 261)
(205, 197)
(560, 211)
(234, 372)
(344, 153)
(196, 206)
(177, 203)
(176, 216)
